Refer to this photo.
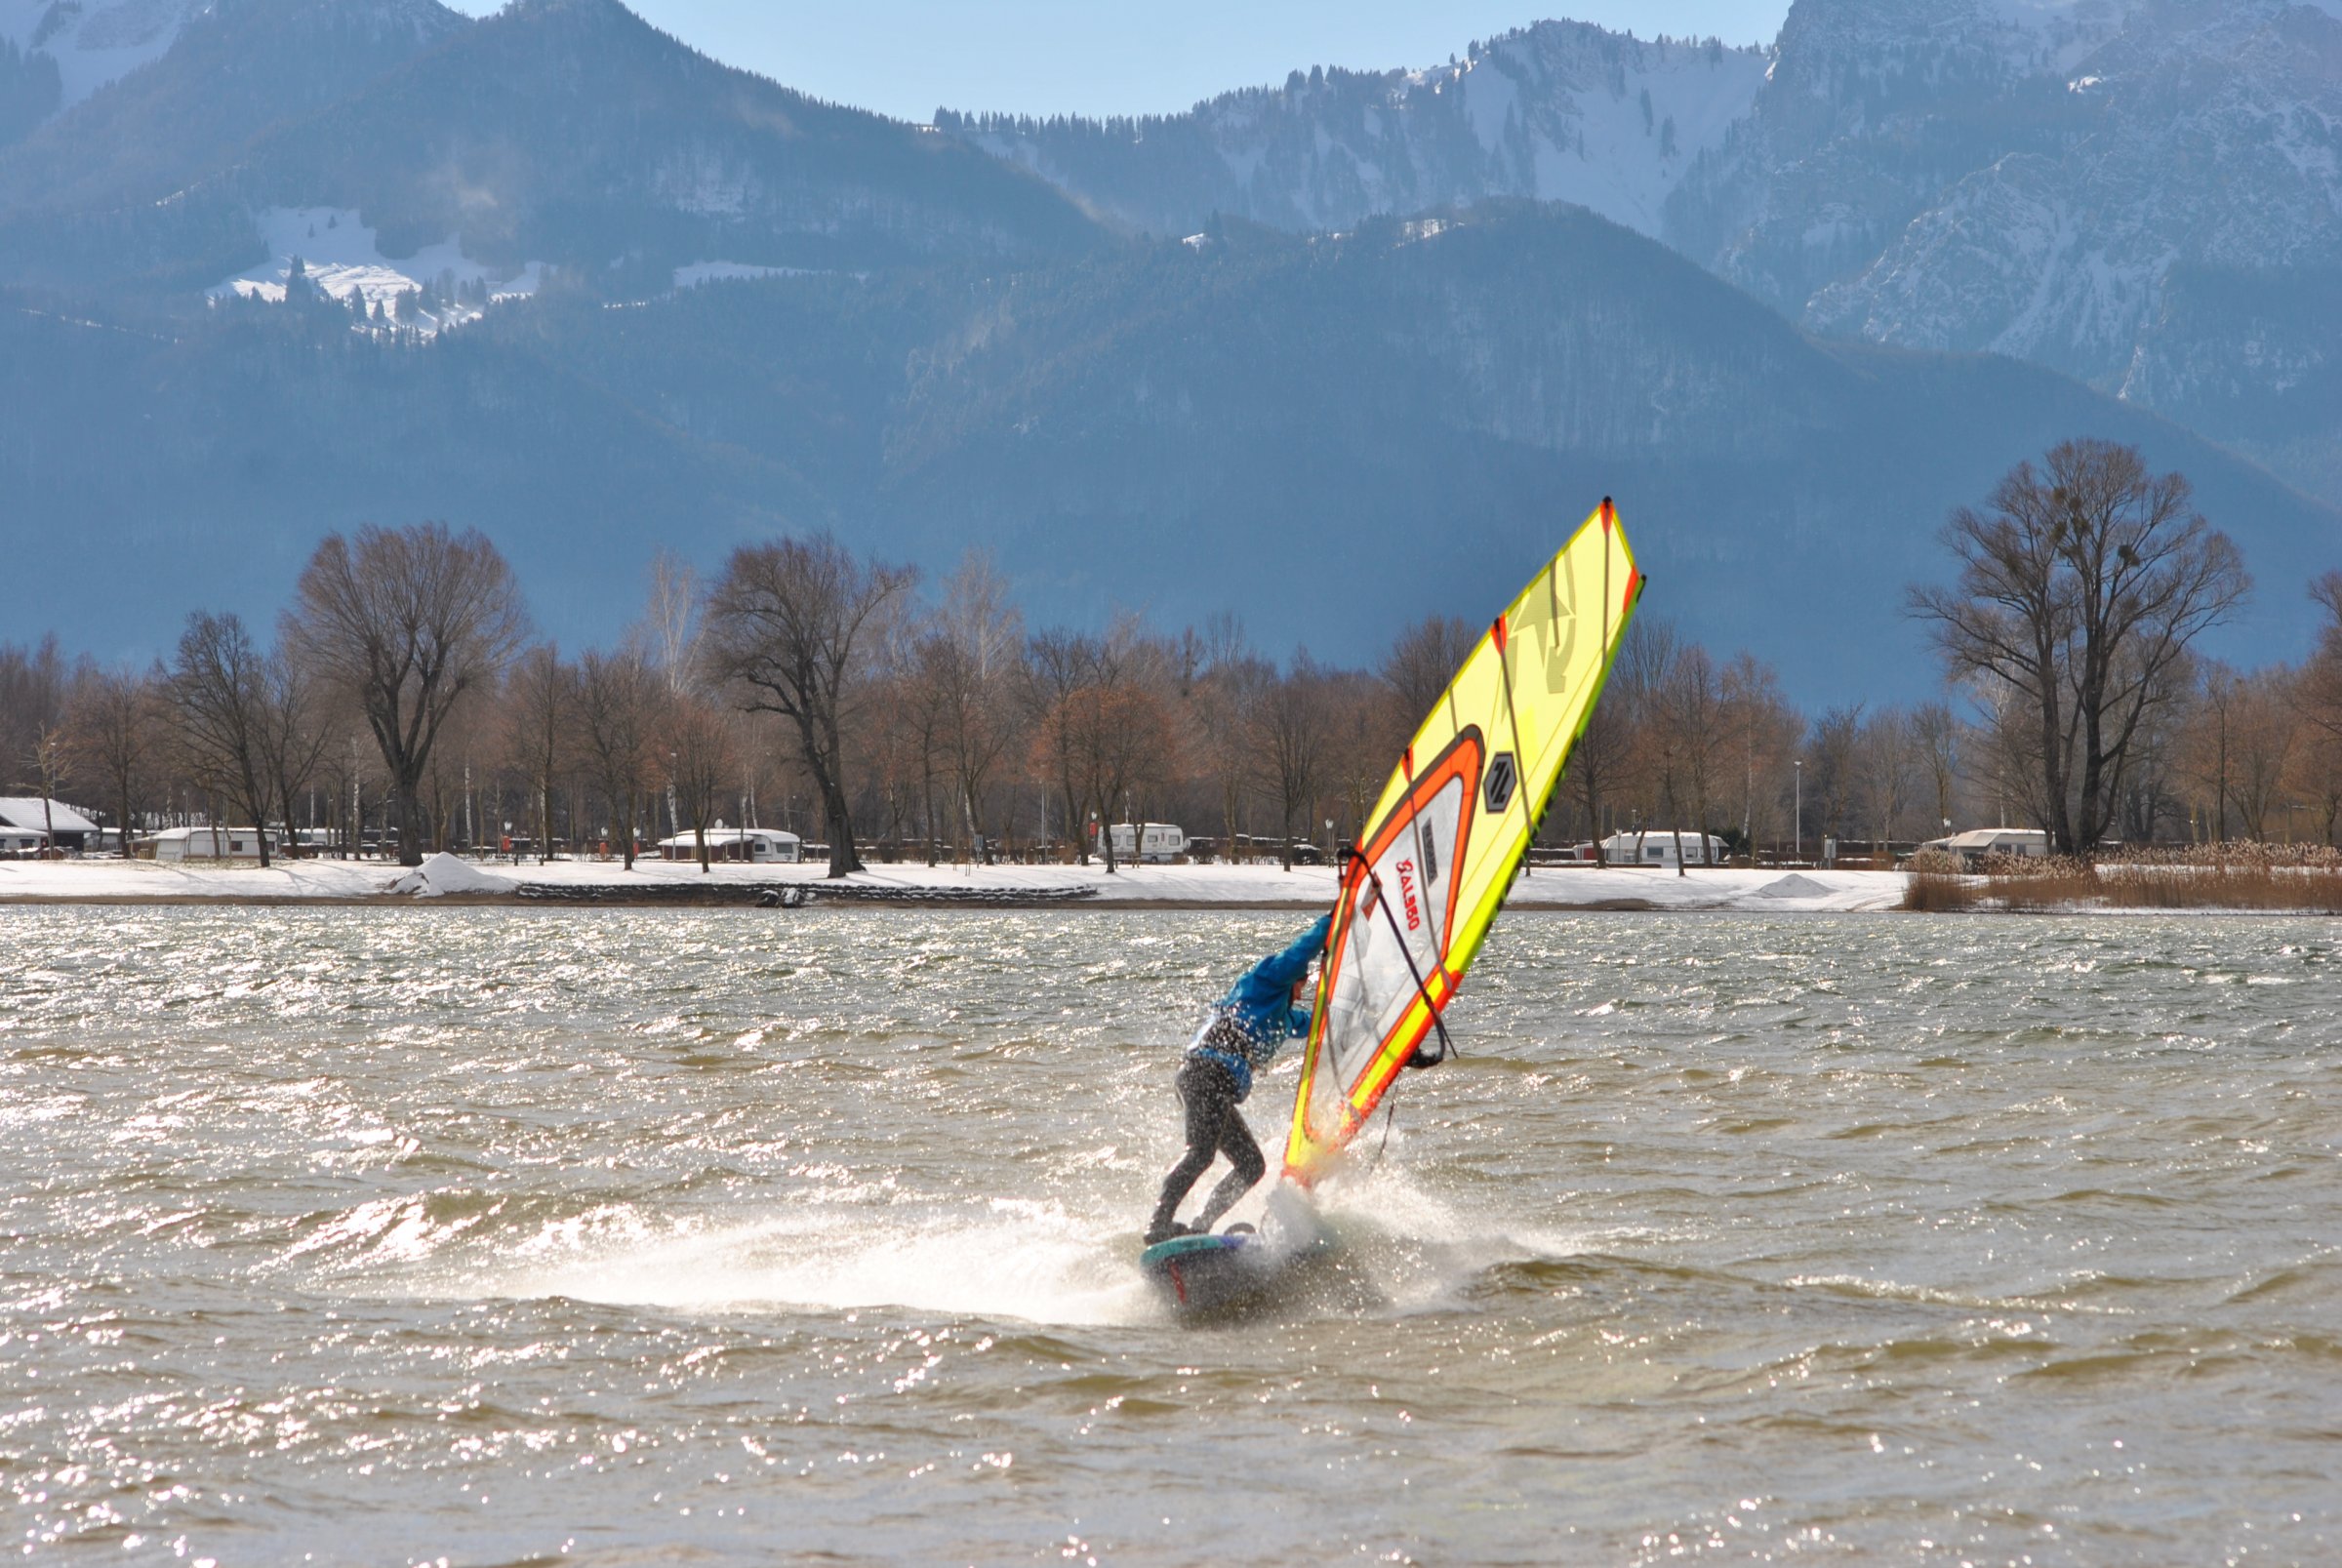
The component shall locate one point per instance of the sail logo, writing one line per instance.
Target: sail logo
(1406, 895)
(1503, 776)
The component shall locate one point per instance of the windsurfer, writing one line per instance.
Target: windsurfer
(1245, 1033)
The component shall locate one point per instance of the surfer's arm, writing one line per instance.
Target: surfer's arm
(1280, 970)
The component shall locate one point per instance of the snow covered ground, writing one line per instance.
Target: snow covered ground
(95, 42)
(341, 257)
(1767, 891)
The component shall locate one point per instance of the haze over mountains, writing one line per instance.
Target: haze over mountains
(1392, 368)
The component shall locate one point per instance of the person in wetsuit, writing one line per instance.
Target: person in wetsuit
(1246, 1030)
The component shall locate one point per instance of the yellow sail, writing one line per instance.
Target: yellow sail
(1442, 845)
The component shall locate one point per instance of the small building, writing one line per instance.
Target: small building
(764, 846)
(1148, 841)
(175, 844)
(1977, 843)
(20, 843)
(1656, 846)
(70, 831)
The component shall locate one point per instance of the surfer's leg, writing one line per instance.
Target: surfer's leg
(1243, 1151)
(1196, 1092)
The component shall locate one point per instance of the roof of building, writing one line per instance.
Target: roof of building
(733, 835)
(1985, 837)
(24, 810)
(1655, 834)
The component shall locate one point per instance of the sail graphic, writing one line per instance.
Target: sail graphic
(1445, 838)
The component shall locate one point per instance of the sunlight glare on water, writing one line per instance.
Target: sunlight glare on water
(497, 1236)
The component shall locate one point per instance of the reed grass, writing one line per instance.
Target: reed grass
(2303, 878)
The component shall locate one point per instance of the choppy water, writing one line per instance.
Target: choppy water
(498, 1236)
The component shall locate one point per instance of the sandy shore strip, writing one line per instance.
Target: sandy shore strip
(1266, 887)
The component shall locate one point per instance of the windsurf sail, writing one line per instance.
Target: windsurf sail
(1444, 840)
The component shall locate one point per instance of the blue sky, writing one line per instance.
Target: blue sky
(1100, 57)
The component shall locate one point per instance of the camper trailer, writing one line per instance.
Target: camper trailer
(765, 846)
(1656, 846)
(213, 844)
(1977, 844)
(1151, 841)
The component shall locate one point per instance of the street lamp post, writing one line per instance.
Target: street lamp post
(1799, 765)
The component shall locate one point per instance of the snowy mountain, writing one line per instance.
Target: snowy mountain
(89, 43)
(2024, 177)
(562, 131)
(233, 70)
(1353, 431)
(2120, 143)
(2032, 178)
(1561, 111)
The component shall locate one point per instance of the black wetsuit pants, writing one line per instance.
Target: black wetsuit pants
(1214, 1126)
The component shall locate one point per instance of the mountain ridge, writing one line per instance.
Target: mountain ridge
(1343, 435)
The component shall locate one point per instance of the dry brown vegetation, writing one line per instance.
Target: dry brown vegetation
(2298, 877)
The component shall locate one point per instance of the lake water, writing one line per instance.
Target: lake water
(497, 1236)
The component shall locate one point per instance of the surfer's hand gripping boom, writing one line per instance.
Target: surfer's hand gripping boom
(1447, 1047)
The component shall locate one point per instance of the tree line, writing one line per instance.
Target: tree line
(404, 698)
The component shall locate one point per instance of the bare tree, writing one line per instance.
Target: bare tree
(617, 708)
(703, 760)
(2315, 778)
(1602, 758)
(294, 733)
(540, 709)
(1060, 664)
(672, 618)
(2239, 740)
(114, 722)
(2210, 732)
(33, 682)
(219, 697)
(1359, 746)
(1688, 732)
(1761, 731)
(973, 660)
(408, 622)
(1833, 781)
(2151, 789)
(1114, 735)
(1420, 664)
(2318, 695)
(2078, 589)
(2320, 691)
(1937, 733)
(1884, 752)
(1290, 741)
(1227, 703)
(781, 628)
(52, 766)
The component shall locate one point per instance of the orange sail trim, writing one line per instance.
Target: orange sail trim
(1440, 849)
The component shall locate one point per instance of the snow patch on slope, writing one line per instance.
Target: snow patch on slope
(94, 43)
(340, 255)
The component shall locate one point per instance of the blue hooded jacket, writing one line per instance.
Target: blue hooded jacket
(1259, 1010)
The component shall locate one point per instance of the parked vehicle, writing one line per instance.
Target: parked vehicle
(1149, 841)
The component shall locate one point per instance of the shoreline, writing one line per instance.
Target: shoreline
(815, 905)
(449, 880)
